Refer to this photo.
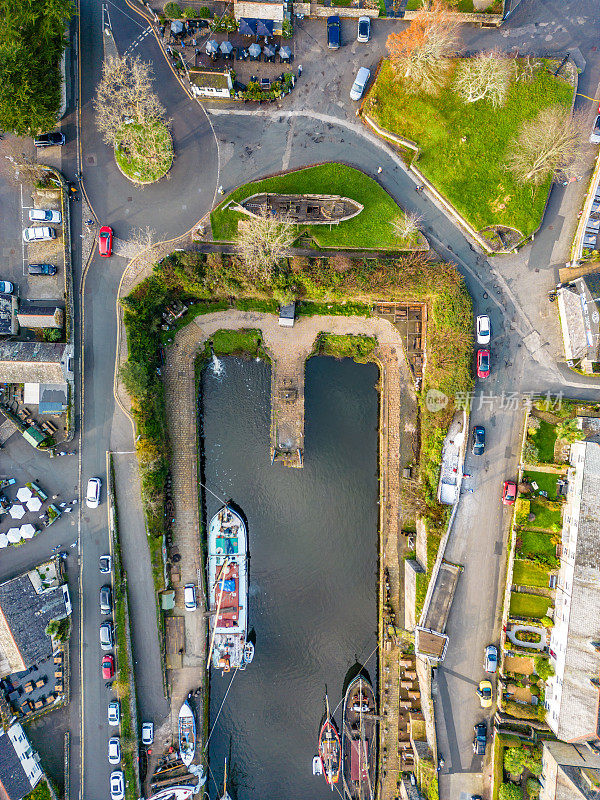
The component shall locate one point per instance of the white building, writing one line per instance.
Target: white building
(20, 770)
(573, 694)
(569, 771)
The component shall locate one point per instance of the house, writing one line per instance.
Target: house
(570, 771)
(211, 82)
(27, 604)
(8, 315)
(35, 362)
(20, 770)
(287, 315)
(573, 693)
(579, 311)
(34, 316)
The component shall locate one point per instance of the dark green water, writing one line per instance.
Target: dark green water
(313, 568)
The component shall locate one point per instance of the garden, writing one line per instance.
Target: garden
(144, 153)
(518, 765)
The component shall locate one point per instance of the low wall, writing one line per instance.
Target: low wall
(324, 11)
(475, 17)
(411, 569)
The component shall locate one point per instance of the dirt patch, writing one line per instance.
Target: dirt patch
(519, 693)
(517, 664)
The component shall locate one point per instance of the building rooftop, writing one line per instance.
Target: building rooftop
(572, 323)
(578, 770)
(14, 783)
(34, 316)
(209, 78)
(32, 362)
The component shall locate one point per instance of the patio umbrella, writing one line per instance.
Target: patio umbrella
(14, 535)
(264, 27)
(254, 50)
(247, 27)
(28, 531)
(24, 494)
(269, 50)
(17, 511)
(176, 26)
(226, 48)
(34, 504)
(211, 46)
(285, 52)
(3, 540)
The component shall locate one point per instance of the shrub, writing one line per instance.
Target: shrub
(528, 636)
(531, 454)
(513, 760)
(533, 787)
(547, 622)
(543, 667)
(204, 12)
(172, 10)
(510, 791)
(52, 334)
(190, 13)
(523, 511)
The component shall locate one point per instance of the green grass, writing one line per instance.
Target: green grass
(307, 308)
(528, 605)
(536, 542)
(546, 481)
(359, 348)
(41, 792)
(132, 156)
(528, 573)
(237, 343)
(263, 306)
(544, 439)
(471, 173)
(371, 229)
(547, 515)
(422, 581)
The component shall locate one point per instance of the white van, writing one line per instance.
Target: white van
(189, 596)
(359, 85)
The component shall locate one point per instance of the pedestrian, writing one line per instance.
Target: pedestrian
(379, 170)
(220, 190)
(299, 70)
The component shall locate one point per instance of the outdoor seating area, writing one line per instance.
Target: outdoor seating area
(25, 507)
(36, 688)
(409, 708)
(42, 406)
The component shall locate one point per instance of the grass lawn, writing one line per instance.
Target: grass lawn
(371, 229)
(536, 542)
(470, 173)
(546, 481)
(360, 348)
(544, 439)
(547, 515)
(528, 573)
(528, 605)
(133, 157)
(233, 343)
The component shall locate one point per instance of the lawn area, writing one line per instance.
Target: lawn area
(544, 439)
(234, 343)
(371, 229)
(547, 515)
(528, 605)
(470, 171)
(528, 573)
(135, 143)
(546, 481)
(536, 543)
(360, 348)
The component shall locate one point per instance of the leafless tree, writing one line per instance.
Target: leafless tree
(124, 95)
(262, 242)
(407, 226)
(141, 247)
(486, 76)
(16, 166)
(552, 143)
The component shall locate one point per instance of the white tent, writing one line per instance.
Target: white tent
(34, 504)
(3, 540)
(14, 535)
(17, 511)
(28, 531)
(24, 494)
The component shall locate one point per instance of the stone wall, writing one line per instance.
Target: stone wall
(411, 569)
(323, 11)
(473, 18)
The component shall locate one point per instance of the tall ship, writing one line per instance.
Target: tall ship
(187, 733)
(359, 742)
(228, 591)
(330, 749)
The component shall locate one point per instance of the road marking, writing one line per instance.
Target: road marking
(22, 240)
(124, 14)
(288, 146)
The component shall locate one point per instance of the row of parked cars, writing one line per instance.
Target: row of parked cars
(334, 40)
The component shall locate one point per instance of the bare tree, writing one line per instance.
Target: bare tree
(262, 242)
(407, 226)
(16, 166)
(552, 143)
(141, 247)
(419, 55)
(487, 76)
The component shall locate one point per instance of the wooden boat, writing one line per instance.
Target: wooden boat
(359, 740)
(248, 652)
(314, 209)
(174, 793)
(330, 749)
(187, 734)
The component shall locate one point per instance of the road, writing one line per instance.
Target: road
(229, 147)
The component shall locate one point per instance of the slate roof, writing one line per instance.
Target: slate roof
(34, 316)
(31, 362)
(14, 783)
(589, 295)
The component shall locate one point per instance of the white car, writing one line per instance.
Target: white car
(44, 215)
(117, 785)
(189, 597)
(595, 134)
(92, 496)
(114, 713)
(364, 29)
(6, 287)
(39, 234)
(147, 732)
(114, 750)
(484, 330)
(360, 83)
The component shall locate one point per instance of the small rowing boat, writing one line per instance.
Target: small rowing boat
(330, 749)
(187, 734)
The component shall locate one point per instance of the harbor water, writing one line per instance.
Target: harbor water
(313, 568)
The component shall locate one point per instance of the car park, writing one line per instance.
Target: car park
(189, 596)
(595, 134)
(483, 363)
(484, 330)
(105, 564)
(509, 493)
(480, 739)
(490, 660)
(51, 139)
(114, 712)
(106, 636)
(334, 32)
(364, 29)
(39, 234)
(44, 215)
(117, 785)
(105, 241)
(478, 440)
(114, 750)
(92, 495)
(41, 269)
(105, 600)
(108, 667)
(485, 692)
(6, 287)
(147, 733)
(360, 83)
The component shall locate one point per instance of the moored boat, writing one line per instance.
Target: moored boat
(187, 733)
(330, 749)
(228, 589)
(359, 740)
(174, 793)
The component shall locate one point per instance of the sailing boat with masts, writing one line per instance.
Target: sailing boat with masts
(225, 795)
(330, 749)
(359, 740)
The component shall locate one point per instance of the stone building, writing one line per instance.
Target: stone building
(570, 772)
(20, 770)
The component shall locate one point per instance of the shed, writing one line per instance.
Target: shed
(33, 316)
(211, 83)
(287, 315)
(33, 436)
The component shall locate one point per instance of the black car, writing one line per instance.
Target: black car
(478, 440)
(480, 739)
(49, 139)
(41, 269)
(333, 32)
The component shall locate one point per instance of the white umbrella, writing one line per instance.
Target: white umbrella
(254, 50)
(211, 46)
(17, 511)
(28, 531)
(3, 540)
(14, 535)
(34, 504)
(226, 48)
(24, 494)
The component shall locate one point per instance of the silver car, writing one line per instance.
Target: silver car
(106, 636)
(41, 234)
(44, 215)
(360, 83)
(490, 661)
(595, 134)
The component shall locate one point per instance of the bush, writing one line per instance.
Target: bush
(543, 667)
(190, 13)
(513, 760)
(547, 622)
(533, 787)
(172, 10)
(205, 13)
(531, 454)
(510, 791)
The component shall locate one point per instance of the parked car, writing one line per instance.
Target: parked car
(6, 287)
(480, 739)
(360, 83)
(189, 596)
(484, 330)
(595, 134)
(39, 234)
(509, 493)
(41, 269)
(485, 693)
(364, 29)
(147, 733)
(114, 712)
(334, 32)
(117, 785)
(44, 215)
(114, 750)
(105, 599)
(483, 363)
(108, 667)
(490, 660)
(105, 564)
(49, 139)
(478, 440)
(105, 241)
(106, 636)
(92, 495)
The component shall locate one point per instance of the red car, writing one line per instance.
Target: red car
(509, 493)
(483, 363)
(108, 667)
(105, 241)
